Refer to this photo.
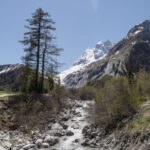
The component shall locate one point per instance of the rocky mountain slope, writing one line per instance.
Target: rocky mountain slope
(89, 56)
(133, 51)
(9, 75)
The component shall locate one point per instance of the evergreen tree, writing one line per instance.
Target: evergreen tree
(39, 46)
(27, 61)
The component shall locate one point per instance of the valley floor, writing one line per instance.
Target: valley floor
(72, 130)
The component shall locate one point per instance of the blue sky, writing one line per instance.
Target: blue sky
(80, 24)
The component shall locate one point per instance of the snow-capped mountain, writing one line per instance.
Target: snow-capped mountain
(89, 56)
(9, 68)
(132, 51)
(9, 76)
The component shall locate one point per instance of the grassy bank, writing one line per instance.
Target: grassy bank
(5, 92)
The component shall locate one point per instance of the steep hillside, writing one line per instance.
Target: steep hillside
(133, 51)
(9, 76)
(89, 56)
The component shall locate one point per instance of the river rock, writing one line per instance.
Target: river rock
(45, 145)
(85, 129)
(53, 120)
(26, 147)
(56, 126)
(39, 142)
(69, 133)
(51, 140)
(64, 125)
(85, 142)
(76, 140)
(47, 138)
(79, 105)
(76, 126)
(59, 134)
(7, 144)
(65, 118)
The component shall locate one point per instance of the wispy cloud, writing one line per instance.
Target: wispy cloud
(95, 5)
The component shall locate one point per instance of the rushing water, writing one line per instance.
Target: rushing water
(75, 124)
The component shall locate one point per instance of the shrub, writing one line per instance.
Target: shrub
(86, 93)
(33, 110)
(143, 83)
(114, 102)
(100, 82)
(73, 93)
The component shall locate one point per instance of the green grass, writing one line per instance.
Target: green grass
(8, 92)
(142, 122)
(5, 92)
(2, 117)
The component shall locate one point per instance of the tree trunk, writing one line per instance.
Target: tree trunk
(43, 69)
(38, 58)
(43, 65)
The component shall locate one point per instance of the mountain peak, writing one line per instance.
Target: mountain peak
(105, 46)
(89, 56)
(142, 26)
(92, 54)
(99, 43)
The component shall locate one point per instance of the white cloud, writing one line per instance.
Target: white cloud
(95, 5)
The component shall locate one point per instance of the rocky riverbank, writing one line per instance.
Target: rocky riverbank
(72, 130)
(62, 133)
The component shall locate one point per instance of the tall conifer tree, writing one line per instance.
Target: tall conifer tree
(40, 47)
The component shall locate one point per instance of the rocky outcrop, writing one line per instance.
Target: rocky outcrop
(120, 140)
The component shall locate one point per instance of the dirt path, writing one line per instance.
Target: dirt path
(4, 95)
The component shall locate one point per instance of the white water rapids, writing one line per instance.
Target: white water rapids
(75, 124)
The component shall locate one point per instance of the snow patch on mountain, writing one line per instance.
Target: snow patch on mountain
(89, 56)
(139, 28)
(8, 68)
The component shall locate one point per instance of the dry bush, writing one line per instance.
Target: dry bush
(32, 110)
(86, 93)
(73, 93)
